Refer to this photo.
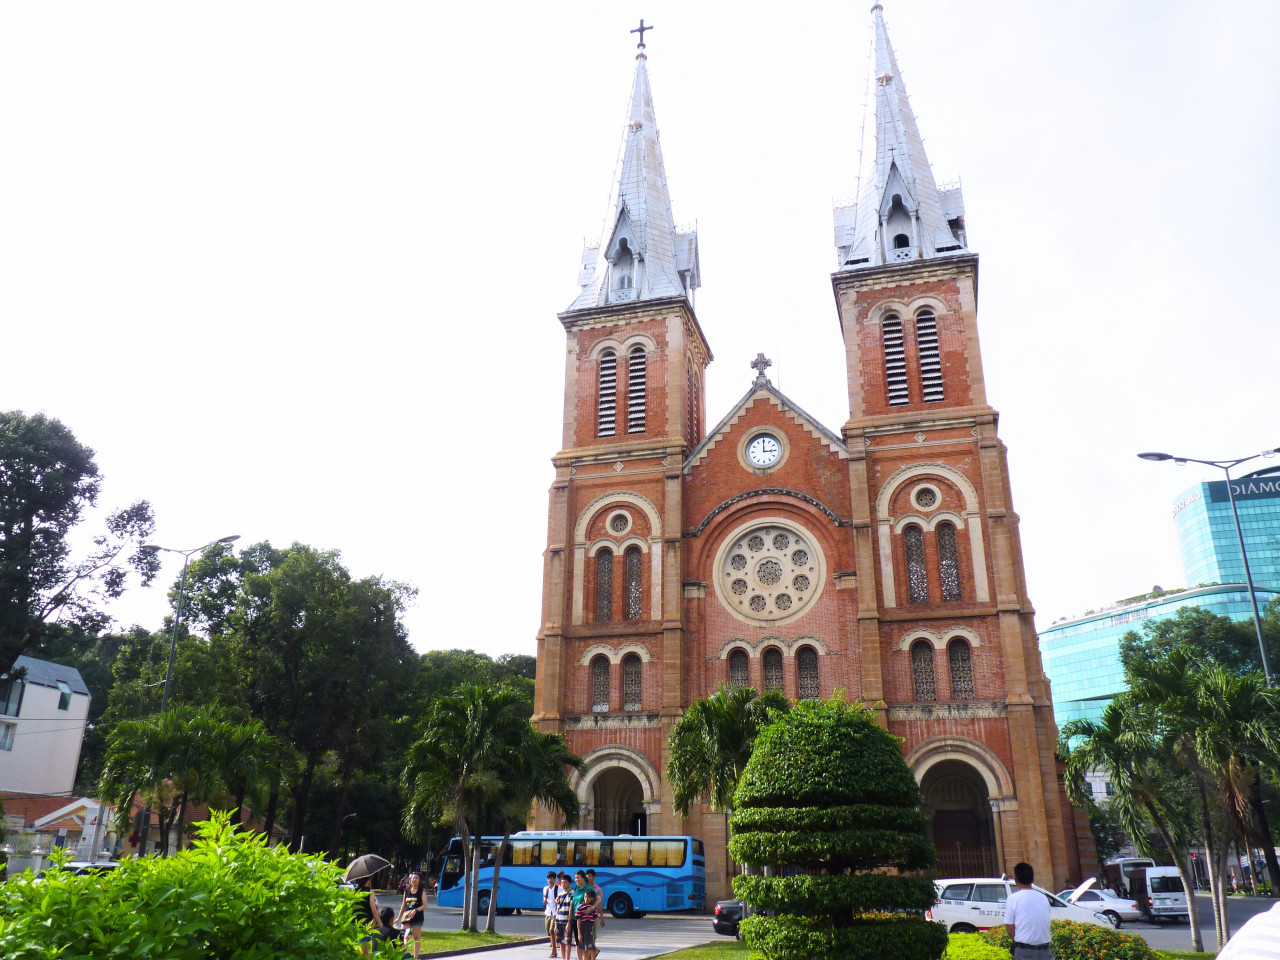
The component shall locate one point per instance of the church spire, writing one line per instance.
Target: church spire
(900, 213)
(640, 256)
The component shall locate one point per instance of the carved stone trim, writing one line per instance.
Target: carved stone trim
(613, 721)
(767, 491)
(949, 711)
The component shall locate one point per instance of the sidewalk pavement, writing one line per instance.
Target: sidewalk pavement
(635, 944)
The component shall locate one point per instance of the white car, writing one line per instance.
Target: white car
(977, 903)
(1105, 902)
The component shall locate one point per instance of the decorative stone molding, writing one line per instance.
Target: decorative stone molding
(939, 638)
(968, 710)
(981, 758)
(615, 654)
(767, 492)
(615, 755)
(613, 721)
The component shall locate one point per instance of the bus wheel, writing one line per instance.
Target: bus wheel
(482, 903)
(620, 906)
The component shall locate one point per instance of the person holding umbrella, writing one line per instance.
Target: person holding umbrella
(361, 872)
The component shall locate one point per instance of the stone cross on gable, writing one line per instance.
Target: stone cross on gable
(760, 364)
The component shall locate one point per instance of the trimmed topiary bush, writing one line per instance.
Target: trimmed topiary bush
(1084, 941)
(827, 798)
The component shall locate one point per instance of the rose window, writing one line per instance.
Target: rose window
(619, 522)
(925, 498)
(769, 571)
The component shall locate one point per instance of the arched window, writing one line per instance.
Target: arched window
(917, 575)
(631, 667)
(895, 362)
(922, 671)
(930, 358)
(739, 670)
(901, 241)
(773, 669)
(635, 390)
(624, 282)
(632, 568)
(600, 684)
(948, 562)
(607, 404)
(807, 673)
(961, 670)
(604, 586)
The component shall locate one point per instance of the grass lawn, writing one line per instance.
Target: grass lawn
(725, 950)
(440, 941)
(1186, 955)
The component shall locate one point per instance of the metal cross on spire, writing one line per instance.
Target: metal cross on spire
(760, 364)
(641, 30)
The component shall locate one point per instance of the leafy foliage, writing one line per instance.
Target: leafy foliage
(48, 479)
(973, 946)
(226, 896)
(1083, 941)
(841, 906)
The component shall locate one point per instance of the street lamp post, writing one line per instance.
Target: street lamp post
(1225, 466)
(177, 620)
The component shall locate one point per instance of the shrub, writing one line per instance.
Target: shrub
(1084, 941)
(226, 896)
(826, 791)
(973, 946)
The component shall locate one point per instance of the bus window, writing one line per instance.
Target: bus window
(452, 871)
(488, 853)
(666, 853)
(697, 848)
(548, 853)
(589, 853)
(606, 853)
(633, 853)
(524, 853)
(564, 853)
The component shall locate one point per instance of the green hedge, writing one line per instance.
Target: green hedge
(877, 937)
(226, 897)
(848, 893)
(973, 946)
(844, 848)
(1084, 941)
(862, 816)
(826, 791)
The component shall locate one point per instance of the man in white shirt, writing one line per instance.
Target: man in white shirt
(1258, 939)
(1026, 917)
(549, 909)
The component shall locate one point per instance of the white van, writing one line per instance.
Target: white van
(1160, 894)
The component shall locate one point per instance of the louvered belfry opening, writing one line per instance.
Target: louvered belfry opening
(607, 406)
(930, 357)
(635, 390)
(895, 362)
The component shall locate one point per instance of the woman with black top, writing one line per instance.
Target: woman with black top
(412, 907)
(366, 911)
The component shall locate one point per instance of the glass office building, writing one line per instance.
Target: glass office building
(1082, 654)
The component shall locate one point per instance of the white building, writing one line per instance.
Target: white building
(42, 723)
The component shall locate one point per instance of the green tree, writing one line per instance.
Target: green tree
(459, 766)
(537, 773)
(48, 479)
(1231, 643)
(1119, 744)
(827, 791)
(711, 745)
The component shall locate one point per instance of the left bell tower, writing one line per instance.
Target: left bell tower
(611, 647)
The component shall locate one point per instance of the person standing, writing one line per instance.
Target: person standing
(412, 909)
(585, 916)
(1026, 917)
(549, 909)
(564, 915)
(366, 913)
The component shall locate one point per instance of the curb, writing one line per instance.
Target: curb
(486, 948)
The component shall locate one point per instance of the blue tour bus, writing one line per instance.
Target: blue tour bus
(637, 874)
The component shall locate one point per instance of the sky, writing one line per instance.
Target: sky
(293, 269)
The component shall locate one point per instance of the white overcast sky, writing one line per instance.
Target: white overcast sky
(293, 269)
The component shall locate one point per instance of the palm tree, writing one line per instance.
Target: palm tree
(244, 758)
(457, 766)
(1119, 744)
(711, 744)
(538, 775)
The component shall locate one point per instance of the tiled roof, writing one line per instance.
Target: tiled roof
(46, 674)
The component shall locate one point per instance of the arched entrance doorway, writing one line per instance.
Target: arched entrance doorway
(958, 805)
(617, 802)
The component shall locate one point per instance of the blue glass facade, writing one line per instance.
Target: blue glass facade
(1207, 533)
(1081, 655)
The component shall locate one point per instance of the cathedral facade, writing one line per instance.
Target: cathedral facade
(881, 559)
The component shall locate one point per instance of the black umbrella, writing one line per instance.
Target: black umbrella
(363, 867)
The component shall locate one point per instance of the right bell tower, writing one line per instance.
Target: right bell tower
(950, 658)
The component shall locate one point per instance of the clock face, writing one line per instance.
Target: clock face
(764, 450)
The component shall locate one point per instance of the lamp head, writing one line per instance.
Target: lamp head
(231, 539)
(151, 548)
(1156, 457)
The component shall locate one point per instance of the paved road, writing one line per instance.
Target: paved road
(1177, 936)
